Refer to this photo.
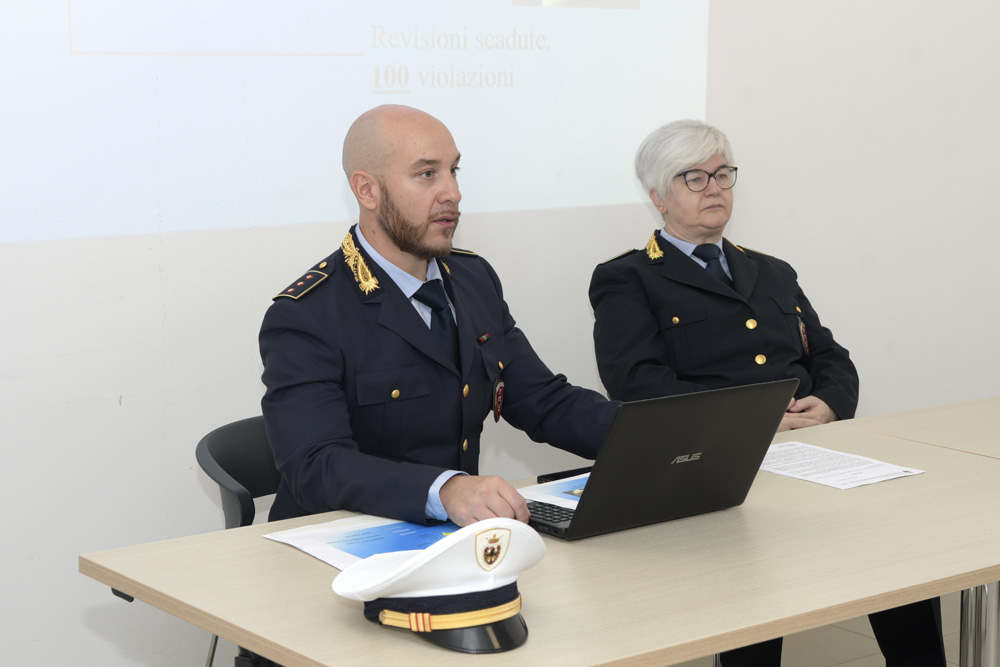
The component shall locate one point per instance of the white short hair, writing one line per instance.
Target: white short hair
(677, 146)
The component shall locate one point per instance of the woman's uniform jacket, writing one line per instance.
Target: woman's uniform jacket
(664, 325)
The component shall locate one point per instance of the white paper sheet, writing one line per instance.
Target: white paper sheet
(829, 467)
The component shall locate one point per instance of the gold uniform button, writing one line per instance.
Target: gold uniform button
(676, 320)
(797, 309)
(751, 323)
(465, 391)
(500, 364)
(760, 359)
(322, 265)
(465, 445)
(395, 393)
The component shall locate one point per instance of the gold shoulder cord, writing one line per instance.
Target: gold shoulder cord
(619, 255)
(653, 248)
(744, 251)
(362, 274)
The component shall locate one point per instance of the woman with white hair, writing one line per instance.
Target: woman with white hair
(691, 311)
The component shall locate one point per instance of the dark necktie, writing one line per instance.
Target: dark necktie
(709, 253)
(443, 326)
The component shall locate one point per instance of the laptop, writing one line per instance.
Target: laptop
(672, 457)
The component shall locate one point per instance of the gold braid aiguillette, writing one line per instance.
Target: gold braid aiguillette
(362, 274)
(653, 248)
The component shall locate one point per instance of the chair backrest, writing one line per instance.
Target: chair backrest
(238, 458)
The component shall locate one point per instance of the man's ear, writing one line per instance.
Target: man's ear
(366, 189)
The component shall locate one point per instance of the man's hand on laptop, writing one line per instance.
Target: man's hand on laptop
(468, 499)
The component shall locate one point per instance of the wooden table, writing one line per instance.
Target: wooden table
(794, 556)
(972, 427)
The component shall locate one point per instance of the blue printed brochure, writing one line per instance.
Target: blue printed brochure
(346, 541)
(562, 492)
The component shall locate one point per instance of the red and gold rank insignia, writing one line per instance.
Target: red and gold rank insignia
(802, 332)
(299, 288)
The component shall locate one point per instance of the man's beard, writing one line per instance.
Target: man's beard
(406, 235)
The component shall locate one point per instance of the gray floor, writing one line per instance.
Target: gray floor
(851, 643)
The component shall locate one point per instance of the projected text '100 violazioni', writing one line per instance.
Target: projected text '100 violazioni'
(398, 77)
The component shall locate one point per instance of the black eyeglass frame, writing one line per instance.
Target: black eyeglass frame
(684, 174)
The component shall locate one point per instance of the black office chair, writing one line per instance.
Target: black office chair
(238, 458)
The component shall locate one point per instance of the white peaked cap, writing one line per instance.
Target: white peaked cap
(480, 557)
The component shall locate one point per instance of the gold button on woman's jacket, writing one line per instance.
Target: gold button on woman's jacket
(395, 393)
(760, 359)
(751, 323)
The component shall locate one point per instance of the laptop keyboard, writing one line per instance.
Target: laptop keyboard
(549, 512)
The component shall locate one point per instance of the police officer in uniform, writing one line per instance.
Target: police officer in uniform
(382, 361)
(692, 311)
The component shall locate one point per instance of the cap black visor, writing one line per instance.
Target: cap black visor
(491, 638)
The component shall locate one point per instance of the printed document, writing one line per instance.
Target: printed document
(829, 467)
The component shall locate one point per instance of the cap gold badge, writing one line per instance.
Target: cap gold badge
(491, 547)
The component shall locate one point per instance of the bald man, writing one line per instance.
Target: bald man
(371, 404)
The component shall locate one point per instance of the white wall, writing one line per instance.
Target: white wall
(117, 356)
(127, 336)
(857, 126)
(866, 134)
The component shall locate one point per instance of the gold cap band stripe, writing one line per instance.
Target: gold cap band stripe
(422, 622)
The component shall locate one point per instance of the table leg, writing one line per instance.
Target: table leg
(980, 626)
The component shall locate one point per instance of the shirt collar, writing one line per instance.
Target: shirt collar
(688, 248)
(404, 281)
(684, 246)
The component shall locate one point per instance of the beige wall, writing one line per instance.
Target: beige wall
(865, 133)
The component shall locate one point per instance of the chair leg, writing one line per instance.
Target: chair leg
(211, 651)
(250, 659)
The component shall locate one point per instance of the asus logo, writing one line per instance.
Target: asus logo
(684, 458)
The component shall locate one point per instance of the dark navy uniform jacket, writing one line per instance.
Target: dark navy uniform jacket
(664, 325)
(364, 409)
